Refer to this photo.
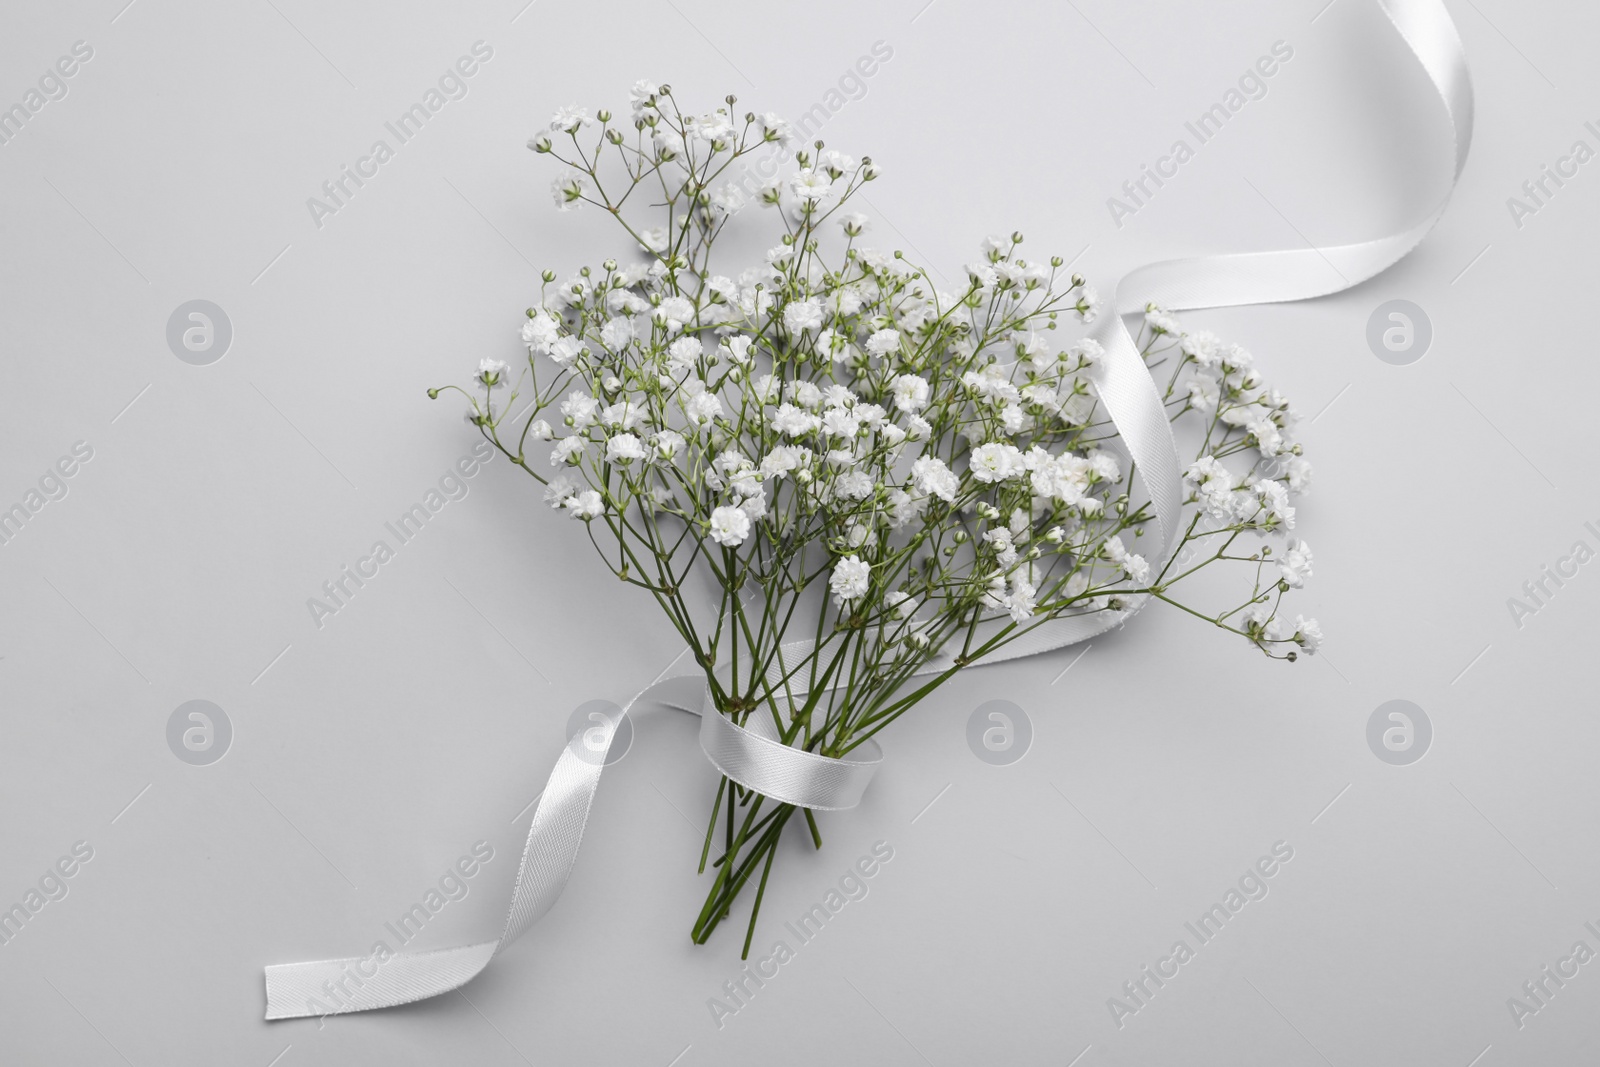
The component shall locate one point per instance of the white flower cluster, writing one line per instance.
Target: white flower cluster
(854, 454)
(940, 456)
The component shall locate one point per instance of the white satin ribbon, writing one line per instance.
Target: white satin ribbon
(751, 755)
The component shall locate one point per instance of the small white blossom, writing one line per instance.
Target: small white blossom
(559, 489)
(675, 312)
(703, 409)
(729, 526)
(996, 462)
(667, 444)
(568, 192)
(585, 505)
(854, 223)
(540, 331)
(930, 475)
(616, 333)
(802, 315)
(624, 448)
(1134, 566)
(1307, 634)
(1295, 564)
(493, 373)
(811, 185)
(883, 342)
(568, 450)
(566, 349)
(849, 580)
(569, 119)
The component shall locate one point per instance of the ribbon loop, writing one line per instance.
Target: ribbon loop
(753, 757)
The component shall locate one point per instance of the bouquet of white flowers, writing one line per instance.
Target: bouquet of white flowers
(827, 446)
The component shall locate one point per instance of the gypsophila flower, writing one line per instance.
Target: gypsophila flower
(811, 185)
(568, 450)
(568, 192)
(930, 475)
(558, 490)
(911, 392)
(667, 444)
(580, 409)
(624, 448)
(729, 526)
(883, 342)
(854, 223)
(585, 505)
(776, 129)
(1295, 563)
(540, 331)
(641, 98)
(1088, 305)
(803, 315)
(570, 119)
(1161, 321)
(617, 332)
(675, 312)
(492, 373)
(1307, 634)
(995, 462)
(1134, 566)
(850, 579)
(565, 350)
(683, 353)
(703, 408)
(654, 239)
(825, 409)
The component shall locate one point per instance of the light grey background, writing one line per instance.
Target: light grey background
(367, 755)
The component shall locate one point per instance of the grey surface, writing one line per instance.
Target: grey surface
(369, 754)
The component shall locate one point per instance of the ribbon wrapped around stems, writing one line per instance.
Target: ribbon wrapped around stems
(752, 755)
